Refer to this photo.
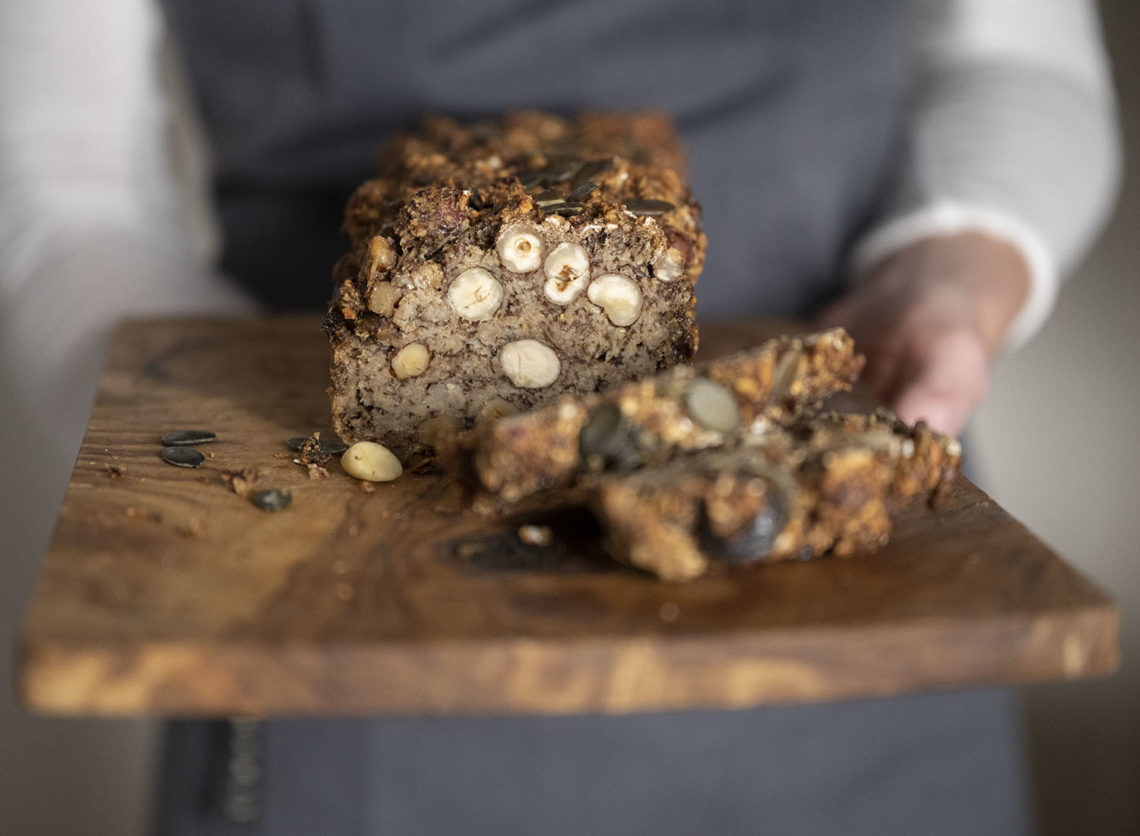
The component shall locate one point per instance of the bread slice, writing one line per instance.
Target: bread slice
(826, 484)
(643, 422)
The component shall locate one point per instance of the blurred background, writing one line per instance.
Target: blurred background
(1057, 440)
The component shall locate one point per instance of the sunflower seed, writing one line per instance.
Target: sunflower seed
(565, 209)
(549, 198)
(649, 208)
(531, 179)
(563, 171)
(186, 438)
(592, 170)
(551, 175)
(273, 499)
(182, 456)
(582, 192)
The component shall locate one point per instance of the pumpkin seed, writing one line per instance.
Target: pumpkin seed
(712, 405)
(755, 540)
(607, 441)
(784, 374)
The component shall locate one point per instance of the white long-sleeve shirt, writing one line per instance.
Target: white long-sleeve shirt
(1012, 133)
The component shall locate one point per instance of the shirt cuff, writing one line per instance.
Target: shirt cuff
(951, 218)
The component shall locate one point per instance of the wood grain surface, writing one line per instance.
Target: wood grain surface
(165, 592)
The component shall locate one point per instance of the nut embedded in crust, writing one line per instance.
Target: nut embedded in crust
(519, 248)
(618, 296)
(475, 294)
(567, 271)
(529, 364)
(670, 266)
(382, 298)
(410, 361)
(381, 256)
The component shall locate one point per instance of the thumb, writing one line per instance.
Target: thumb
(943, 384)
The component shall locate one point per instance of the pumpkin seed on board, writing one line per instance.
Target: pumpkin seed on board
(182, 456)
(187, 438)
(273, 499)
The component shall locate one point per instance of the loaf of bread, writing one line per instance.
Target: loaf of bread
(495, 266)
(826, 484)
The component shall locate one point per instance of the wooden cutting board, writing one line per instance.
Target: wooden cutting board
(165, 592)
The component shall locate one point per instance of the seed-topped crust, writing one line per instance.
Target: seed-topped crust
(451, 246)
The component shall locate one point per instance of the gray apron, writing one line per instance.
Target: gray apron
(792, 113)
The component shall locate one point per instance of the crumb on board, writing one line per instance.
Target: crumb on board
(311, 452)
(241, 481)
(148, 514)
(194, 529)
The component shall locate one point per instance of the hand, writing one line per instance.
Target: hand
(930, 320)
